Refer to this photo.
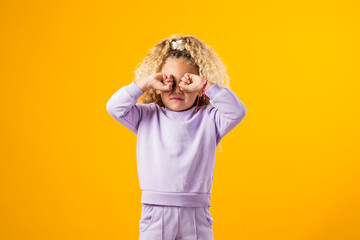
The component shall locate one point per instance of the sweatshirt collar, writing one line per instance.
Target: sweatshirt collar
(179, 116)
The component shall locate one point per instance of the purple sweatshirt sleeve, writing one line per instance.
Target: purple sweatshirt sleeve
(123, 108)
(225, 109)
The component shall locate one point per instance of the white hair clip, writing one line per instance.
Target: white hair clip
(178, 44)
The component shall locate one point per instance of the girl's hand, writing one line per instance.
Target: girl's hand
(191, 83)
(160, 81)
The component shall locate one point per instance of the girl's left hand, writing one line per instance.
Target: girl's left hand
(191, 83)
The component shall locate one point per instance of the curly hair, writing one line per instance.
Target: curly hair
(195, 52)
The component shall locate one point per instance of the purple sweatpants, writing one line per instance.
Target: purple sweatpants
(160, 222)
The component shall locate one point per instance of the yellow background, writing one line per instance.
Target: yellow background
(290, 170)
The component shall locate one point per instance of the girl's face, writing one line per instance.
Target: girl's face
(178, 67)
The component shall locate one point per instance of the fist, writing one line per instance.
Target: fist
(191, 83)
(161, 81)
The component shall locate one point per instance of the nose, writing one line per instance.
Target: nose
(176, 87)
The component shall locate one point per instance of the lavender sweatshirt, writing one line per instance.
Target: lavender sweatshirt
(176, 150)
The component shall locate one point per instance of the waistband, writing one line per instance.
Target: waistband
(176, 199)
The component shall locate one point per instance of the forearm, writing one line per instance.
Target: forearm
(226, 101)
(123, 108)
(123, 99)
(225, 109)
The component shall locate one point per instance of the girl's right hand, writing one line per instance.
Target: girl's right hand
(161, 81)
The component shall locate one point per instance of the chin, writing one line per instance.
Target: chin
(177, 108)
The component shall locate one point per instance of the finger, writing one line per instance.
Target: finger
(184, 80)
(188, 78)
(169, 84)
(164, 77)
(187, 82)
(167, 87)
(169, 80)
(184, 87)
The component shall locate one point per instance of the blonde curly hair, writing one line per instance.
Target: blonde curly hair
(195, 52)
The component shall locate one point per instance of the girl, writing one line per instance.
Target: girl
(184, 113)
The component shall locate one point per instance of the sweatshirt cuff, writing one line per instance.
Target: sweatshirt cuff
(213, 90)
(134, 90)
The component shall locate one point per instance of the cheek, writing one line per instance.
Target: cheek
(191, 97)
(165, 96)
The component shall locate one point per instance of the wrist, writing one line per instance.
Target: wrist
(208, 85)
(142, 84)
